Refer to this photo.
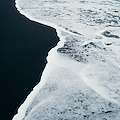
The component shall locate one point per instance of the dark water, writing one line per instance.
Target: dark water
(23, 49)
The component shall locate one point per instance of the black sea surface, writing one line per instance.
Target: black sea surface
(24, 45)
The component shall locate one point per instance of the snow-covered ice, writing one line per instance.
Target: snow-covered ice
(81, 80)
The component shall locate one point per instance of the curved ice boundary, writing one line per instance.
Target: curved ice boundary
(81, 80)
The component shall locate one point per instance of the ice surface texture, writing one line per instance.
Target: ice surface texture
(81, 80)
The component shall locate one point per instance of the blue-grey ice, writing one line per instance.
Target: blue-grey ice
(81, 80)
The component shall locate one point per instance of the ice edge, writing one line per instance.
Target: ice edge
(23, 107)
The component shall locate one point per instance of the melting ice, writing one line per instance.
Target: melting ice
(81, 80)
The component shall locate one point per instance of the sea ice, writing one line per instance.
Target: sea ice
(81, 80)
